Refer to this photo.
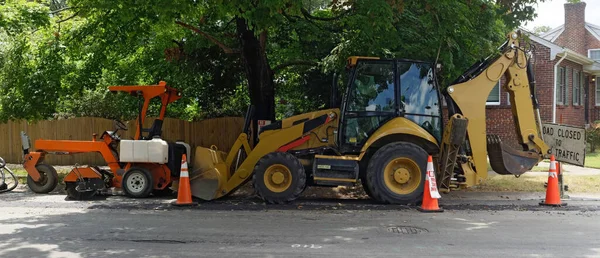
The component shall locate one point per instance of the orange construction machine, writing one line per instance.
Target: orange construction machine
(139, 166)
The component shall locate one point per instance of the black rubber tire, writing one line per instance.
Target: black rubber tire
(78, 196)
(363, 182)
(375, 183)
(148, 183)
(48, 180)
(296, 187)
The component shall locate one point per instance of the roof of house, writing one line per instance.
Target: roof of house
(589, 65)
(553, 34)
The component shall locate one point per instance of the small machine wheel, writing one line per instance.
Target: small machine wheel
(137, 182)
(73, 194)
(396, 173)
(48, 179)
(279, 178)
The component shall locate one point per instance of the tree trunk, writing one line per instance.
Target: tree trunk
(258, 73)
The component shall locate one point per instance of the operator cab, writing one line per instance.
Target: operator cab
(382, 89)
(153, 135)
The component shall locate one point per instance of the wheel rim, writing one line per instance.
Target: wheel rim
(402, 176)
(278, 178)
(136, 183)
(43, 178)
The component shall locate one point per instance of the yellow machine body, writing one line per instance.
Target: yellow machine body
(313, 140)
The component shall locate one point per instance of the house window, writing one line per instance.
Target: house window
(576, 88)
(594, 54)
(560, 86)
(494, 97)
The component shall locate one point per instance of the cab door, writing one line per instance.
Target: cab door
(370, 101)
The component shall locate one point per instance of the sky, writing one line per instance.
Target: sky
(552, 13)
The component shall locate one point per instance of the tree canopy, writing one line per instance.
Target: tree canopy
(57, 57)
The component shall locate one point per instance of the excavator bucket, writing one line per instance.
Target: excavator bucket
(208, 175)
(205, 184)
(506, 161)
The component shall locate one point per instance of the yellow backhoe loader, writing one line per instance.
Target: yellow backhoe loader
(389, 121)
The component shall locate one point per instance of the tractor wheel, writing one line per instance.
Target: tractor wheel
(279, 178)
(365, 187)
(396, 173)
(137, 182)
(48, 179)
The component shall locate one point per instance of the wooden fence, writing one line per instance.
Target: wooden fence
(221, 132)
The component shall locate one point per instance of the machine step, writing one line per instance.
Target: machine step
(335, 170)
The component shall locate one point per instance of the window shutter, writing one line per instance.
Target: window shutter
(566, 88)
(597, 91)
(576, 88)
(581, 88)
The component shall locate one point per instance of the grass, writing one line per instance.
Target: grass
(592, 160)
(535, 183)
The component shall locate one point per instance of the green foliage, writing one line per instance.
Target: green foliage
(18, 17)
(593, 136)
(57, 58)
(538, 30)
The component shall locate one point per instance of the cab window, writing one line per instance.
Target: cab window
(419, 97)
(371, 101)
(373, 87)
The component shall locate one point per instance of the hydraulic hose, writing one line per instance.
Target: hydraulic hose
(3, 170)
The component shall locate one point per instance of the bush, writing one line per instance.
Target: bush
(593, 135)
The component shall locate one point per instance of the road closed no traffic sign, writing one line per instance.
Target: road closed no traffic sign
(566, 142)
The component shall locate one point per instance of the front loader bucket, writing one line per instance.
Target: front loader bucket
(205, 184)
(506, 161)
(208, 176)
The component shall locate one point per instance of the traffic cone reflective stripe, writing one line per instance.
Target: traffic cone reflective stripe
(184, 193)
(552, 190)
(430, 191)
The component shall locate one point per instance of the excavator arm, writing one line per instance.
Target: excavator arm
(467, 97)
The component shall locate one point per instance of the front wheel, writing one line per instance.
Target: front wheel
(47, 182)
(279, 178)
(137, 183)
(396, 173)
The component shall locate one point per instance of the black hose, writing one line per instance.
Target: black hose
(3, 170)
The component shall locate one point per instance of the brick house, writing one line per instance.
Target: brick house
(566, 62)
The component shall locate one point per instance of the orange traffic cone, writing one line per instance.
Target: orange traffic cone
(430, 192)
(552, 191)
(184, 194)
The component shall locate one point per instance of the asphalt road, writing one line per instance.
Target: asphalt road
(47, 226)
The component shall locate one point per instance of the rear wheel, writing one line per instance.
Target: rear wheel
(396, 173)
(137, 183)
(279, 177)
(47, 182)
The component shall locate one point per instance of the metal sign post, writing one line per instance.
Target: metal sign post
(560, 181)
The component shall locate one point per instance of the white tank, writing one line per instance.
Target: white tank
(144, 151)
